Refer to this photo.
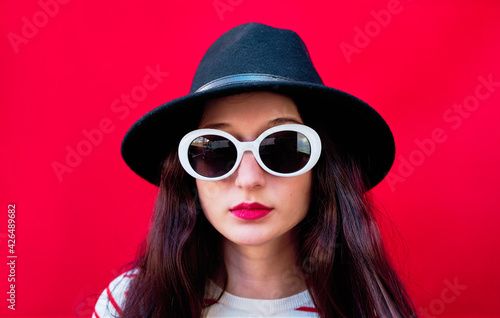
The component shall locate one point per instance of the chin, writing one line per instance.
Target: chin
(252, 237)
(248, 241)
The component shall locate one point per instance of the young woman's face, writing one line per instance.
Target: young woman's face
(284, 200)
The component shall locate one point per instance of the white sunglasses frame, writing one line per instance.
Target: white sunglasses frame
(253, 146)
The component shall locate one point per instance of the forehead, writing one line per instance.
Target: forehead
(250, 107)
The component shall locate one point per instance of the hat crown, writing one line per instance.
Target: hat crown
(254, 57)
(255, 48)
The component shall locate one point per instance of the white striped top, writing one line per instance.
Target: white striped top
(112, 299)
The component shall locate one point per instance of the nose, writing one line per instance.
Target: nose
(249, 174)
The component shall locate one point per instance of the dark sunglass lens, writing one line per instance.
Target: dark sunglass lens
(212, 156)
(285, 151)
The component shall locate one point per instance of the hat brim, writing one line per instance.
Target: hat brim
(351, 123)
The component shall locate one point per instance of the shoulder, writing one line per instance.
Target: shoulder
(112, 299)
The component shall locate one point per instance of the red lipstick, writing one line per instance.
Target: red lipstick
(250, 211)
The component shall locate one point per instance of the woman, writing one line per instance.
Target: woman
(263, 206)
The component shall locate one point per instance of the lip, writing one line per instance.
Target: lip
(250, 211)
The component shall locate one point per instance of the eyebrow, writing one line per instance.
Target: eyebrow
(284, 120)
(216, 126)
(271, 123)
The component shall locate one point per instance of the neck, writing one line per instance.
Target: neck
(267, 271)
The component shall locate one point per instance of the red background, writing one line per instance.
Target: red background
(65, 66)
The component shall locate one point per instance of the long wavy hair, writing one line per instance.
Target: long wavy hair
(341, 254)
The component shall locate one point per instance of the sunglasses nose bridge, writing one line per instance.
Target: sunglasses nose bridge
(251, 146)
(249, 171)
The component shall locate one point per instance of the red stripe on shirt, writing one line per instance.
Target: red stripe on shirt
(209, 301)
(95, 314)
(113, 302)
(308, 309)
(130, 275)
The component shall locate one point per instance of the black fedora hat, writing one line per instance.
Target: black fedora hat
(257, 57)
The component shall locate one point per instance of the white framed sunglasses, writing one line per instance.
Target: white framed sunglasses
(285, 151)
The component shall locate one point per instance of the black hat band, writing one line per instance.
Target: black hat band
(241, 79)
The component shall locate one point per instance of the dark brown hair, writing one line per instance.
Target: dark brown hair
(341, 255)
(349, 273)
(181, 252)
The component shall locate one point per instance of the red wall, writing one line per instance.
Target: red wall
(431, 68)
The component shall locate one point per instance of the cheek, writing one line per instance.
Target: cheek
(209, 190)
(308, 188)
(211, 196)
(298, 193)
(304, 186)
